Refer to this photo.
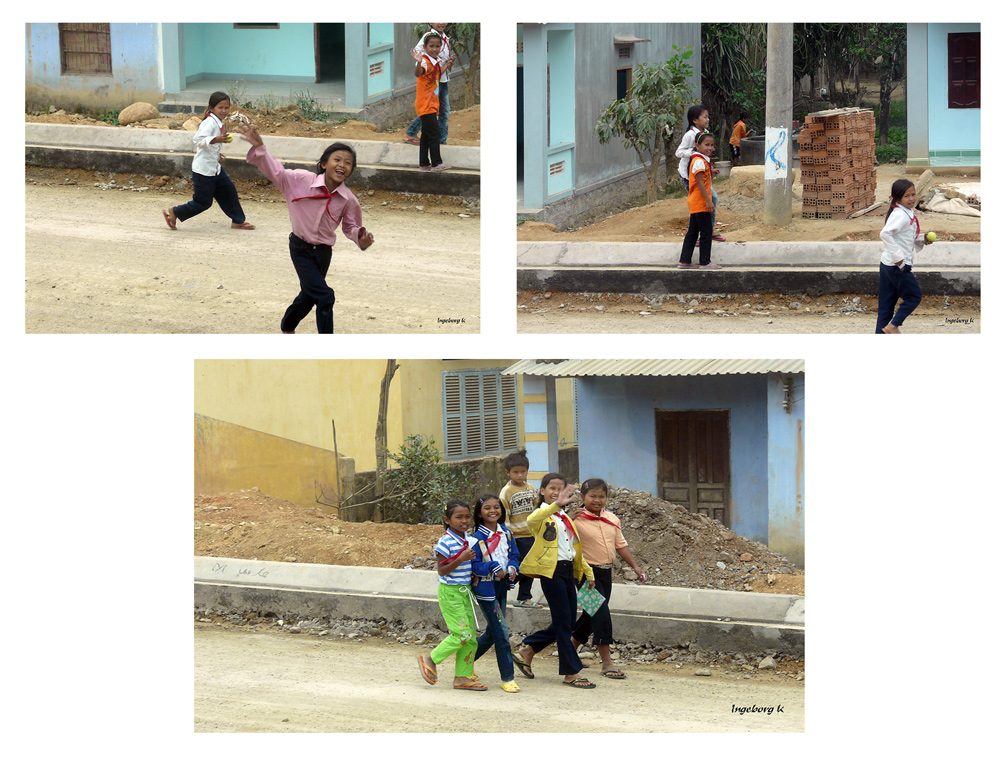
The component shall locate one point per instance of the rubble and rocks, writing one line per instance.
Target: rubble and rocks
(136, 113)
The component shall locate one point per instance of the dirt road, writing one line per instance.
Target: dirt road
(761, 313)
(299, 683)
(103, 261)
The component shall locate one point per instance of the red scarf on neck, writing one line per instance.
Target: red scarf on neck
(588, 515)
(454, 557)
(568, 523)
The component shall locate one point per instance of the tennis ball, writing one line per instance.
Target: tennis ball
(931, 236)
(229, 138)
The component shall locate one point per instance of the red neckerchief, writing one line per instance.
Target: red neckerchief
(568, 523)
(327, 195)
(494, 540)
(453, 558)
(913, 220)
(588, 515)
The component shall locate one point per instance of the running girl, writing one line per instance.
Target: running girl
(901, 236)
(207, 175)
(454, 576)
(317, 204)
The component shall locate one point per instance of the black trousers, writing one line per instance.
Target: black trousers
(600, 622)
(894, 285)
(206, 188)
(311, 264)
(560, 592)
(430, 140)
(700, 225)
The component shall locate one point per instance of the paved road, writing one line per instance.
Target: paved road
(281, 682)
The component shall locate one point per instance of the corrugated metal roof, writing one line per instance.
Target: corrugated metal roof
(656, 367)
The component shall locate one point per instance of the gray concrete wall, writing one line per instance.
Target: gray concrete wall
(596, 87)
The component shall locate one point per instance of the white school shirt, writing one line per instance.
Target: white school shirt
(900, 238)
(500, 554)
(443, 56)
(565, 552)
(685, 150)
(206, 156)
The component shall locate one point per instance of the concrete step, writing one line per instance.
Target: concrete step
(381, 165)
(668, 616)
(170, 105)
(812, 280)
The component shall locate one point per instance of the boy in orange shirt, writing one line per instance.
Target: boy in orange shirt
(428, 73)
(739, 132)
(700, 205)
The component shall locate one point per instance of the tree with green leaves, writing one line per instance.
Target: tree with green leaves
(733, 74)
(655, 103)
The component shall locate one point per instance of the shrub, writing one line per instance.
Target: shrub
(420, 485)
(890, 154)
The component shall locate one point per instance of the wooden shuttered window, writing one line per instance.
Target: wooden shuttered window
(480, 413)
(85, 49)
(964, 70)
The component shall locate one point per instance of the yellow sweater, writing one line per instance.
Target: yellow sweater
(541, 559)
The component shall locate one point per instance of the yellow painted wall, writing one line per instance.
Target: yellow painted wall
(420, 386)
(296, 400)
(228, 457)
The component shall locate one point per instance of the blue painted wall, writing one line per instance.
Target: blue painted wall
(617, 434)
(219, 50)
(135, 50)
(785, 469)
(949, 128)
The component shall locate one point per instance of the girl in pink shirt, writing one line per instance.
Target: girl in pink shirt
(317, 204)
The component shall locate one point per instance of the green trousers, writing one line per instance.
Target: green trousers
(456, 606)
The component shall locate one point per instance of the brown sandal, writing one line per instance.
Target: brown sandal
(171, 224)
(244, 225)
(580, 683)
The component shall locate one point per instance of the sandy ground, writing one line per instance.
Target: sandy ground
(304, 684)
(103, 261)
(737, 314)
(741, 212)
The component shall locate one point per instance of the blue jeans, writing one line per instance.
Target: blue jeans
(206, 188)
(496, 633)
(444, 110)
(715, 200)
(895, 284)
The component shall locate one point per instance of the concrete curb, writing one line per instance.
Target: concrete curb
(814, 281)
(668, 616)
(455, 183)
(301, 149)
(766, 253)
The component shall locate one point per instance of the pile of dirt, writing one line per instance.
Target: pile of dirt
(739, 218)
(252, 526)
(681, 549)
(288, 121)
(676, 548)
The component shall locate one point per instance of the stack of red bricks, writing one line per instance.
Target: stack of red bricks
(837, 162)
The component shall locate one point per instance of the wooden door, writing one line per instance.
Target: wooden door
(693, 461)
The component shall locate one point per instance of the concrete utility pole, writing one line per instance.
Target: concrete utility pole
(778, 127)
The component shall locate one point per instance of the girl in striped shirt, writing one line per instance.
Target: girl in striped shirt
(454, 577)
